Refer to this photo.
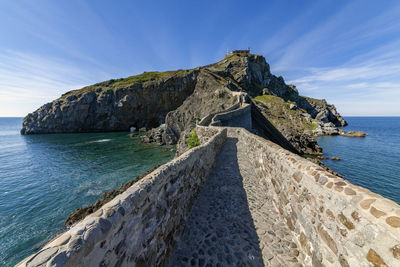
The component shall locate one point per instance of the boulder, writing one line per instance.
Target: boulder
(353, 134)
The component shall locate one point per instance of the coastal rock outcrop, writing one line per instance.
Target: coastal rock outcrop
(211, 94)
(353, 134)
(114, 105)
(171, 103)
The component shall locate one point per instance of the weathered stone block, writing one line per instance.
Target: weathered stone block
(393, 221)
(366, 203)
(375, 259)
(328, 240)
(350, 192)
(323, 180)
(343, 262)
(42, 257)
(330, 214)
(377, 213)
(355, 216)
(349, 225)
(297, 176)
(338, 188)
(341, 183)
(396, 251)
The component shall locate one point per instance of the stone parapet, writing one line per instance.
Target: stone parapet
(240, 117)
(207, 119)
(336, 222)
(140, 226)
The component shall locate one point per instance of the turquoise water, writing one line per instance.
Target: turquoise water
(43, 178)
(372, 162)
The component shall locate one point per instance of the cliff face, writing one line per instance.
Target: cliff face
(210, 95)
(172, 102)
(293, 122)
(115, 105)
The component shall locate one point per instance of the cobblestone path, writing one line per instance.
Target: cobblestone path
(233, 223)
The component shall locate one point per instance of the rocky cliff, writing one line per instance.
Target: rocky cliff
(170, 103)
(115, 105)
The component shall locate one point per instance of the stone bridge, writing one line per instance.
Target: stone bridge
(235, 200)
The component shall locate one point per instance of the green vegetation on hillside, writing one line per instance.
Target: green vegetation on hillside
(280, 113)
(146, 76)
(127, 82)
(223, 63)
(269, 99)
(314, 100)
(193, 140)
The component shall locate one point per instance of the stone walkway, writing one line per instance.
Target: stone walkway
(243, 121)
(233, 223)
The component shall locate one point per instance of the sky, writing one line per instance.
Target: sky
(347, 52)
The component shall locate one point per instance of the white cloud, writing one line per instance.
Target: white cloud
(356, 89)
(354, 66)
(28, 81)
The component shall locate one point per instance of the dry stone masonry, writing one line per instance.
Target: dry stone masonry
(252, 204)
(333, 222)
(140, 226)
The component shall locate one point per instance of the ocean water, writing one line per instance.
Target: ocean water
(43, 178)
(372, 162)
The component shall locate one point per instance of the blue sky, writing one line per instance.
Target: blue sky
(347, 52)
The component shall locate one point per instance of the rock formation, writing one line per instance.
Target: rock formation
(352, 133)
(115, 105)
(170, 103)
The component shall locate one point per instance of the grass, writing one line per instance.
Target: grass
(193, 140)
(127, 82)
(310, 126)
(318, 101)
(146, 76)
(223, 63)
(312, 156)
(280, 112)
(269, 98)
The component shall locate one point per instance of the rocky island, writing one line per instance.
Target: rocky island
(170, 103)
(240, 194)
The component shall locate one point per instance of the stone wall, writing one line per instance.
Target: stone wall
(336, 223)
(240, 117)
(140, 226)
(207, 119)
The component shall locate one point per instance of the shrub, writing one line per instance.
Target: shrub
(193, 140)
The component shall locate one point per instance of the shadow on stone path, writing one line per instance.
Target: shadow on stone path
(233, 223)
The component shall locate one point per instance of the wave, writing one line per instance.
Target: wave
(93, 142)
(100, 141)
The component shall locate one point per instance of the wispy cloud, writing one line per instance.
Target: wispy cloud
(28, 80)
(338, 34)
(373, 83)
(355, 67)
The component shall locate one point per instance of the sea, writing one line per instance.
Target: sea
(373, 161)
(43, 178)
